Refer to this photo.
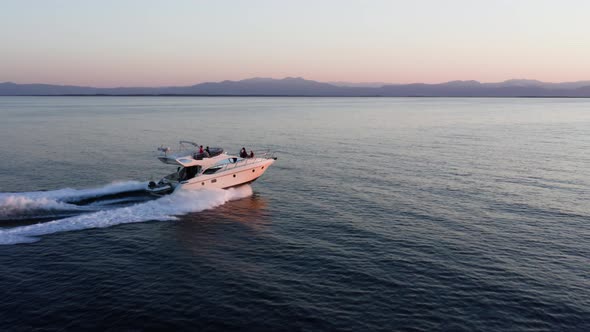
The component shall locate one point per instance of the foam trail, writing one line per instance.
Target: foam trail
(17, 205)
(14, 204)
(165, 208)
(69, 194)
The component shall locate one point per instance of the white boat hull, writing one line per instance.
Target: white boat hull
(239, 176)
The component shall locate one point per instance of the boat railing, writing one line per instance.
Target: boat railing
(240, 162)
(264, 154)
(261, 154)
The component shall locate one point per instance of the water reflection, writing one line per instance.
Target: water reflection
(250, 211)
(230, 224)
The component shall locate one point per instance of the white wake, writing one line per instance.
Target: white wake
(15, 204)
(165, 208)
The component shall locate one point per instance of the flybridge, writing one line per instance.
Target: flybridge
(188, 154)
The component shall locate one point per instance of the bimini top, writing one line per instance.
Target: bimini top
(191, 157)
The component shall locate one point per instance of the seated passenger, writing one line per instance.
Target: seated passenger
(251, 154)
(243, 153)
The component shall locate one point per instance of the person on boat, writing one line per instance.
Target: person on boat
(207, 150)
(251, 154)
(201, 149)
(243, 153)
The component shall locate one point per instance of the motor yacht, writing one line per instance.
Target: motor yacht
(211, 168)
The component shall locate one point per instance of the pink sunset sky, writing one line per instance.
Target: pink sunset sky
(168, 43)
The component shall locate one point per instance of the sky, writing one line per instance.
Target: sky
(172, 43)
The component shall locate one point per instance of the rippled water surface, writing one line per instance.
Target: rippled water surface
(380, 214)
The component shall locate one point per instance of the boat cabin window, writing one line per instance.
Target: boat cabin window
(188, 173)
(232, 160)
(212, 170)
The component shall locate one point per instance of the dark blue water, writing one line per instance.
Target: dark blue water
(380, 214)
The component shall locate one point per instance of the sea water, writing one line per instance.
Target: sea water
(379, 214)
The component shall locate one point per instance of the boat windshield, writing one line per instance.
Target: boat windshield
(188, 173)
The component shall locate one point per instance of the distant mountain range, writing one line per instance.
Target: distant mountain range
(296, 86)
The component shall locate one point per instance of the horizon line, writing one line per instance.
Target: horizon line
(335, 83)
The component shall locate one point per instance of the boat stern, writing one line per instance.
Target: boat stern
(159, 189)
